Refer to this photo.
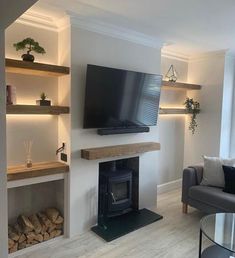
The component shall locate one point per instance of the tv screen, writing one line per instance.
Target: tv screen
(118, 98)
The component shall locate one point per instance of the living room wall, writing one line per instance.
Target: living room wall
(28, 89)
(214, 136)
(158, 167)
(228, 115)
(208, 71)
(3, 182)
(9, 12)
(89, 47)
(172, 127)
(93, 48)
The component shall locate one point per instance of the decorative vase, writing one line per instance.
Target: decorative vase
(28, 57)
(28, 148)
(29, 163)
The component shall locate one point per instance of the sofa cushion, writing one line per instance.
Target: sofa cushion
(229, 175)
(213, 196)
(213, 174)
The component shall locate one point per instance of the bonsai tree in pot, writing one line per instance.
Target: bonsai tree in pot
(30, 45)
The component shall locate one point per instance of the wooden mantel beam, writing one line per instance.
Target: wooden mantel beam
(119, 150)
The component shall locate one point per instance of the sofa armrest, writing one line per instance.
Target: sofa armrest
(199, 172)
(191, 176)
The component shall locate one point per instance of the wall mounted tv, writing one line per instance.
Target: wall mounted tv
(121, 101)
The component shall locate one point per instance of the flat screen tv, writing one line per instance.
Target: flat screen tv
(118, 98)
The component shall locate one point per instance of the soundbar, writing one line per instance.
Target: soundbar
(110, 131)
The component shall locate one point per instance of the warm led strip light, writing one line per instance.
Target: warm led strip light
(172, 111)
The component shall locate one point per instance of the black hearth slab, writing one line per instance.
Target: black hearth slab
(122, 225)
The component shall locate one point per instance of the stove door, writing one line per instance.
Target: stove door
(119, 195)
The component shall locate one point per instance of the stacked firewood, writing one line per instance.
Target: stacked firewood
(35, 229)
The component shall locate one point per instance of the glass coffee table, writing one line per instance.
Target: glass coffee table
(220, 230)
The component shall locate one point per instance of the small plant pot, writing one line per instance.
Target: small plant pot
(43, 102)
(28, 57)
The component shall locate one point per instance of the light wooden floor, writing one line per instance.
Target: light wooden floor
(176, 236)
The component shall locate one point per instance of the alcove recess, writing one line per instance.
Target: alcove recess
(27, 77)
(48, 128)
(29, 215)
(175, 90)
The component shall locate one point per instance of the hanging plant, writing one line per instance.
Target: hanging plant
(30, 45)
(193, 108)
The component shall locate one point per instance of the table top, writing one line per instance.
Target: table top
(220, 229)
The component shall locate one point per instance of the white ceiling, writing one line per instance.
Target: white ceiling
(186, 26)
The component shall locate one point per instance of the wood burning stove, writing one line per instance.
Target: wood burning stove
(115, 191)
(118, 203)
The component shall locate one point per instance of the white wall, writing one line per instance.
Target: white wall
(3, 182)
(48, 39)
(64, 94)
(180, 65)
(215, 72)
(42, 129)
(171, 131)
(47, 132)
(227, 138)
(172, 127)
(207, 71)
(64, 121)
(88, 47)
(10, 10)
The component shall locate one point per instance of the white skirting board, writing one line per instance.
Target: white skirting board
(176, 184)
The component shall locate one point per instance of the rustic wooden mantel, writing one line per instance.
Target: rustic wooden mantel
(119, 150)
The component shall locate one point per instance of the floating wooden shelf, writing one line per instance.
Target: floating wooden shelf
(36, 110)
(38, 170)
(119, 150)
(172, 111)
(180, 86)
(32, 68)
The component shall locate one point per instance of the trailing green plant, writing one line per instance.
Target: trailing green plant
(43, 96)
(193, 108)
(29, 44)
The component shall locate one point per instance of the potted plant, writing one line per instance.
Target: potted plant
(31, 46)
(193, 108)
(43, 101)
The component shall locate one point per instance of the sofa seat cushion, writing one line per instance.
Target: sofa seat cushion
(213, 196)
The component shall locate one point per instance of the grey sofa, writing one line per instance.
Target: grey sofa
(205, 198)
